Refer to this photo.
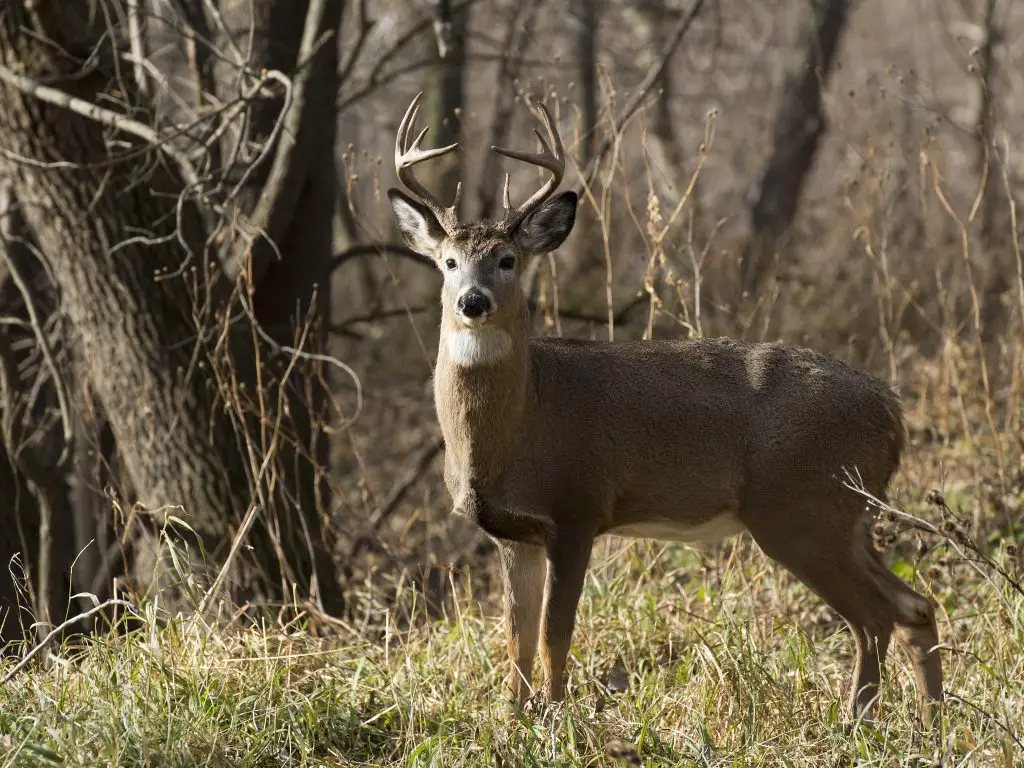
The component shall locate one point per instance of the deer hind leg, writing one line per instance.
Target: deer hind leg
(829, 555)
(568, 558)
(916, 630)
(523, 568)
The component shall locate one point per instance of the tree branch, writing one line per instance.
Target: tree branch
(36, 323)
(378, 249)
(650, 79)
(107, 117)
(366, 26)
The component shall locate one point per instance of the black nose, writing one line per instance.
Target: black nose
(474, 304)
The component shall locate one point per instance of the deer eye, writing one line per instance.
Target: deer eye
(450, 264)
(507, 262)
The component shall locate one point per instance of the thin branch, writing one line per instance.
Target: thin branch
(650, 80)
(370, 317)
(618, 318)
(378, 249)
(420, 465)
(32, 87)
(60, 628)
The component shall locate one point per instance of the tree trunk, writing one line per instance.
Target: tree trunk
(799, 124)
(294, 284)
(518, 35)
(36, 543)
(443, 97)
(586, 54)
(87, 210)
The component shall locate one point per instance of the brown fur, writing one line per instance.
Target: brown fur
(555, 442)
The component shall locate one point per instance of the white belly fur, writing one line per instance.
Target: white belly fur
(715, 529)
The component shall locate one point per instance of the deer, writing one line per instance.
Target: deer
(553, 442)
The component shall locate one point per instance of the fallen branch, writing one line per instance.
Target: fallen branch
(60, 628)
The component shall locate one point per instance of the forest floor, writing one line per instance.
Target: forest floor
(681, 657)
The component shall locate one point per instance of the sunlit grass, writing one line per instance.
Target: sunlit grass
(729, 662)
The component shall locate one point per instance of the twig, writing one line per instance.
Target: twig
(236, 546)
(1009, 731)
(420, 465)
(60, 628)
(218, 18)
(650, 79)
(32, 87)
(137, 47)
(390, 502)
(378, 249)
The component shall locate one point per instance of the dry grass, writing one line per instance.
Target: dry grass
(681, 658)
(716, 658)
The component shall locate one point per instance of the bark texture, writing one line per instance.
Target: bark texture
(106, 226)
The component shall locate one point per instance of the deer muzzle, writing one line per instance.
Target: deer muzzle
(475, 305)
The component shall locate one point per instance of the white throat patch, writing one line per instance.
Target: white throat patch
(478, 346)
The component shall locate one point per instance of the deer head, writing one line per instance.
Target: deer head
(482, 263)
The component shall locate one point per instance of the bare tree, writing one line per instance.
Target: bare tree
(799, 124)
(191, 372)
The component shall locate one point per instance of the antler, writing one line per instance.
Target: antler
(409, 154)
(552, 158)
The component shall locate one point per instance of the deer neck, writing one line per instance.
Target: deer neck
(482, 395)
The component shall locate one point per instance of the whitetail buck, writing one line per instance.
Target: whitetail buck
(552, 442)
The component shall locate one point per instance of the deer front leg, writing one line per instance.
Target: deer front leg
(568, 558)
(522, 572)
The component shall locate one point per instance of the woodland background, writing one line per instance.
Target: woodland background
(215, 358)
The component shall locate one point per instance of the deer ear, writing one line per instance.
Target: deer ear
(419, 227)
(546, 228)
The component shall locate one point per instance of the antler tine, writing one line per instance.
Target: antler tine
(551, 157)
(408, 154)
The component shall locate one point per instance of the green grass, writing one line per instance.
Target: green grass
(730, 662)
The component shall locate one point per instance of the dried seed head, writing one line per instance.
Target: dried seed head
(936, 498)
(1011, 549)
